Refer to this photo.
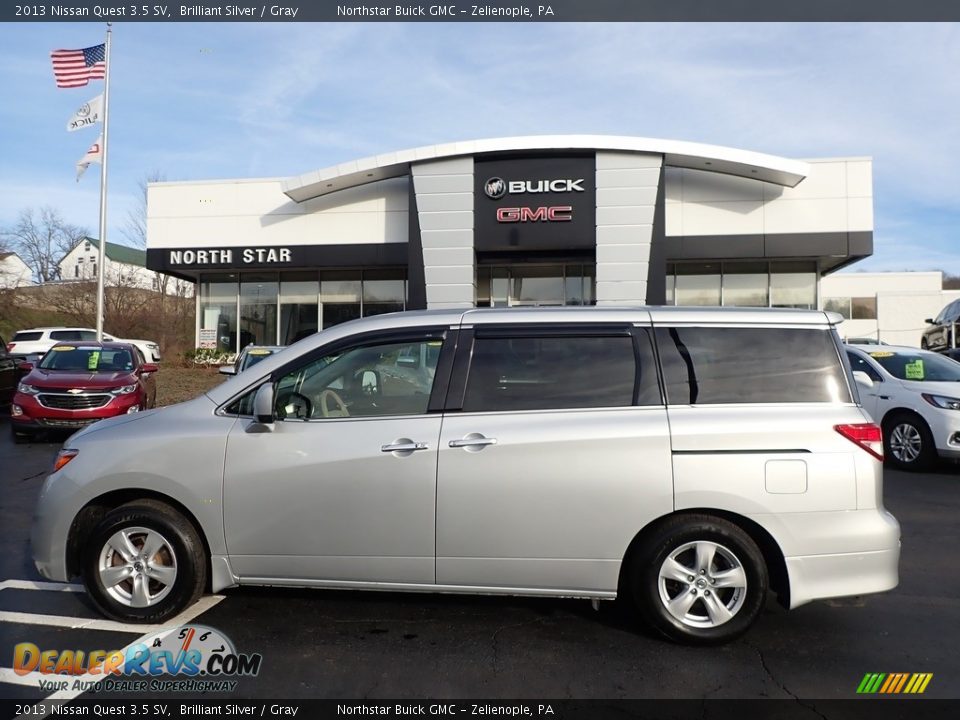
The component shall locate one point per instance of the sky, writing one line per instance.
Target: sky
(200, 101)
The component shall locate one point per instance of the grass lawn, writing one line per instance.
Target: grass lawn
(176, 384)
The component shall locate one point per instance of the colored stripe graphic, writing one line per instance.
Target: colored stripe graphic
(894, 683)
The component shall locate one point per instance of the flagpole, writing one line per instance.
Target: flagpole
(103, 185)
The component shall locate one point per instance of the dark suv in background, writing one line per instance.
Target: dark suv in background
(939, 336)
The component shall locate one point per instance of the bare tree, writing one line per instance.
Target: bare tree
(41, 237)
(135, 227)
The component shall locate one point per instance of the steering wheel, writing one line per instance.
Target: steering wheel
(327, 395)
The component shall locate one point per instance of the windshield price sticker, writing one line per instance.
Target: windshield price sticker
(881, 354)
(914, 370)
(63, 348)
(92, 360)
(259, 352)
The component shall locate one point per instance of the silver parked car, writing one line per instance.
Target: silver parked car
(685, 458)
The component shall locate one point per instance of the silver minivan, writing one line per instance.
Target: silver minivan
(687, 459)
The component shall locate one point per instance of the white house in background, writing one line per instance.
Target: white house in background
(124, 267)
(887, 306)
(14, 272)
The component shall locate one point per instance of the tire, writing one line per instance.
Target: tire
(20, 437)
(164, 593)
(654, 580)
(907, 442)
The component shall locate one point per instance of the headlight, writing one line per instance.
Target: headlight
(942, 401)
(124, 390)
(27, 389)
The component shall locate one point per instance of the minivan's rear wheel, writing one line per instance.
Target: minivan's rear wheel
(699, 579)
(144, 562)
(907, 442)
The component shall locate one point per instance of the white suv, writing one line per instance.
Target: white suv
(39, 340)
(915, 397)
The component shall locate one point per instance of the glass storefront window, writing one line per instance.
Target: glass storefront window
(745, 284)
(793, 285)
(340, 296)
(384, 291)
(669, 285)
(512, 285)
(218, 313)
(838, 305)
(537, 285)
(299, 315)
(258, 309)
(698, 284)
(863, 308)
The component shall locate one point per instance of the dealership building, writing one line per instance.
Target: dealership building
(547, 220)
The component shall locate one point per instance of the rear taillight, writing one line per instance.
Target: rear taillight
(10, 346)
(866, 435)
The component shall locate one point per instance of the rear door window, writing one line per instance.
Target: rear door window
(713, 365)
(517, 372)
(66, 335)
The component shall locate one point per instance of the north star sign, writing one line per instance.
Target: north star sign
(225, 256)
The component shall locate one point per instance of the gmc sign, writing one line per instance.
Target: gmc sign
(559, 213)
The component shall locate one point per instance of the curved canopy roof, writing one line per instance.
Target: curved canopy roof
(677, 153)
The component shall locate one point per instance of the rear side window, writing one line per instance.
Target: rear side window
(551, 373)
(711, 365)
(26, 336)
(66, 335)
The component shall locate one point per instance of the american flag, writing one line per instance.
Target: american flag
(75, 68)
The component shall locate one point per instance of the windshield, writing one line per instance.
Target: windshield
(921, 367)
(72, 358)
(252, 357)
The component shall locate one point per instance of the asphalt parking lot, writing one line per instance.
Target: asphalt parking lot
(329, 644)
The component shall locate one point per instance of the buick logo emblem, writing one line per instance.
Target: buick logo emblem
(495, 188)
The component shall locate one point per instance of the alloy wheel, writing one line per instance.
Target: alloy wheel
(702, 584)
(138, 567)
(906, 443)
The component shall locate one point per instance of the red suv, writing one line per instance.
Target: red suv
(76, 384)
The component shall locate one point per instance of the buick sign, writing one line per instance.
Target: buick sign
(495, 188)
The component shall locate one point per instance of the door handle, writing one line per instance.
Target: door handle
(404, 447)
(468, 442)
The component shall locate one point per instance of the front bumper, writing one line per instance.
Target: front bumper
(28, 415)
(52, 519)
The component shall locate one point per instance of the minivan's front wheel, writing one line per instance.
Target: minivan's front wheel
(144, 562)
(907, 442)
(699, 580)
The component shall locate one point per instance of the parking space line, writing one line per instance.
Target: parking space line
(75, 623)
(39, 585)
(40, 710)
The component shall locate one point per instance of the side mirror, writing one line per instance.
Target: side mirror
(228, 370)
(263, 411)
(862, 379)
(929, 321)
(148, 368)
(26, 366)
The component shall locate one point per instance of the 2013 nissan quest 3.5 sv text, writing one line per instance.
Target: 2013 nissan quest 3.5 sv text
(687, 459)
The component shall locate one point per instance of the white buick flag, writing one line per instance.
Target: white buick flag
(94, 155)
(90, 113)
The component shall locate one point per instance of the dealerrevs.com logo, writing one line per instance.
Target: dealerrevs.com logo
(204, 658)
